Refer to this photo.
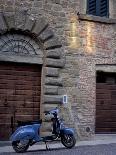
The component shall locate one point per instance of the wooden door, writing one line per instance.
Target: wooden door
(20, 87)
(106, 103)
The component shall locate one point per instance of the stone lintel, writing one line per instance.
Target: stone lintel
(58, 63)
(51, 72)
(98, 19)
(53, 81)
(51, 90)
(53, 99)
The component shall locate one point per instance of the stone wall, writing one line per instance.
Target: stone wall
(85, 43)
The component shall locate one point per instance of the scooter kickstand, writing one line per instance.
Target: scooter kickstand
(47, 148)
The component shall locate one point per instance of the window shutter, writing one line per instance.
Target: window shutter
(98, 7)
(91, 7)
(103, 8)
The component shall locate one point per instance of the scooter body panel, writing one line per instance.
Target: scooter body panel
(67, 131)
(26, 132)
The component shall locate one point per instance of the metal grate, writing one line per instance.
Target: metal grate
(18, 44)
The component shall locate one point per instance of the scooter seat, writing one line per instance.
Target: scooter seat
(22, 123)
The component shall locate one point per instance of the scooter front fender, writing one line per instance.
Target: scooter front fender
(25, 132)
(67, 131)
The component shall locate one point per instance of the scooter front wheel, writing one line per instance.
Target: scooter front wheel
(68, 140)
(20, 146)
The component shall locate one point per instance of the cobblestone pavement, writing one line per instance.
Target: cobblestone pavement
(109, 149)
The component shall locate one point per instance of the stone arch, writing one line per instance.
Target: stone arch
(53, 56)
(38, 28)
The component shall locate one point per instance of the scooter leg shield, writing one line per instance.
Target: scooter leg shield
(67, 131)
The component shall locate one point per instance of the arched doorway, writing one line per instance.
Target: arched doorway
(20, 81)
(33, 42)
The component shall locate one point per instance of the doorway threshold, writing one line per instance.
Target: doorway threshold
(99, 139)
(105, 138)
(5, 143)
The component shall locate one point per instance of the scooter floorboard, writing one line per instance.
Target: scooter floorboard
(48, 138)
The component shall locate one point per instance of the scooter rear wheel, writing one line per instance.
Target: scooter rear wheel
(20, 146)
(68, 140)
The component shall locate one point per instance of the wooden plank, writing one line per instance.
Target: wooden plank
(20, 104)
(20, 90)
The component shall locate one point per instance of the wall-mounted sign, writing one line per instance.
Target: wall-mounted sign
(65, 99)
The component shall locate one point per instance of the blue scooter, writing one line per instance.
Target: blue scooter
(28, 133)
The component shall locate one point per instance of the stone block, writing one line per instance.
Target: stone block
(46, 34)
(53, 81)
(3, 26)
(45, 132)
(29, 23)
(51, 90)
(40, 26)
(48, 107)
(10, 20)
(53, 99)
(57, 1)
(56, 54)
(52, 43)
(52, 72)
(61, 90)
(20, 18)
(47, 126)
(58, 63)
